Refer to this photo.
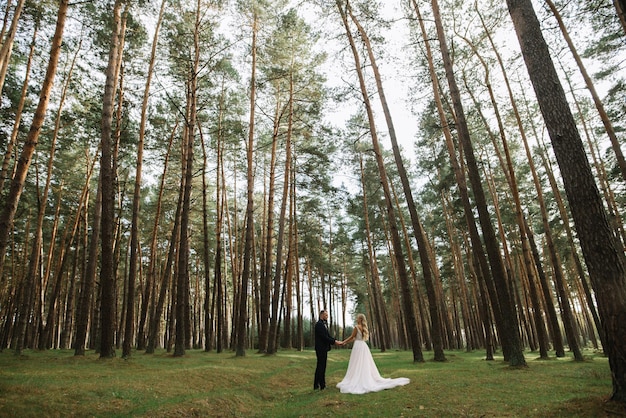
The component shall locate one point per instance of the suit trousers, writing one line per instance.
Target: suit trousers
(320, 369)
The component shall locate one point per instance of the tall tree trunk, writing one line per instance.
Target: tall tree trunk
(608, 126)
(269, 299)
(282, 220)
(291, 262)
(11, 144)
(179, 316)
(605, 260)
(34, 262)
(511, 177)
(418, 230)
(483, 272)
(407, 300)
(217, 304)
(182, 288)
(242, 314)
(17, 184)
(620, 9)
(86, 288)
(378, 306)
(550, 311)
(459, 272)
(422, 317)
(107, 176)
(155, 319)
(47, 334)
(70, 298)
(512, 345)
(7, 43)
(206, 259)
(134, 225)
(153, 263)
(296, 263)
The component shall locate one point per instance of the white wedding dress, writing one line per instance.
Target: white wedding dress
(362, 375)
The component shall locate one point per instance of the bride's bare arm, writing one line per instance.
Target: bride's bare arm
(351, 337)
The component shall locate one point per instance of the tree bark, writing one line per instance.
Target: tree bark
(604, 258)
(107, 177)
(7, 44)
(483, 272)
(407, 300)
(12, 142)
(510, 332)
(242, 315)
(608, 126)
(17, 184)
(418, 230)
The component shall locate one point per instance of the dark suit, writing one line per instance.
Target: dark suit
(323, 341)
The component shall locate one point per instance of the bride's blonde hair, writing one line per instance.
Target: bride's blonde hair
(360, 319)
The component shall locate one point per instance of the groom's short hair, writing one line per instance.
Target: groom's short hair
(322, 312)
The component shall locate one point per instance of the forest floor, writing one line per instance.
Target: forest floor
(55, 383)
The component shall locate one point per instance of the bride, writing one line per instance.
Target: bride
(362, 375)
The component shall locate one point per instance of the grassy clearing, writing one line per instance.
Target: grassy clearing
(57, 384)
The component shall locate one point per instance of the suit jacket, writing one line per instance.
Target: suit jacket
(323, 340)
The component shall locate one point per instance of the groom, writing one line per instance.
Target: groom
(323, 341)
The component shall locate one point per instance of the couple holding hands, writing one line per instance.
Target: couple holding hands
(362, 375)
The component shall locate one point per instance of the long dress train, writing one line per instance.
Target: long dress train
(362, 375)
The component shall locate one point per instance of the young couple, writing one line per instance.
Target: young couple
(362, 375)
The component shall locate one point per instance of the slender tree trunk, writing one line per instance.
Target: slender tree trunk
(7, 43)
(134, 226)
(17, 184)
(608, 126)
(510, 332)
(282, 219)
(217, 303)
(182, 289)
(378, 306)
(620, 9)
(483, 272)
(407, 300)
(206, 259)
(70, 298)
(179, 317)
(86, 289)
(291, 263)
(34, 261)
(508, 169)
(296, 261)
(422, 316)
(153, 263)
(459, 275)
(418, 230)
(47, 334)
(46, 337)
(155, 320)
(107, 176)
(11, 144)
(242, 314)
(269, 299)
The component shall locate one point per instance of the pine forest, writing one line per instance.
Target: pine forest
(210, 174)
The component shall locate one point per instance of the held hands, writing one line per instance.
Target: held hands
(339, 343)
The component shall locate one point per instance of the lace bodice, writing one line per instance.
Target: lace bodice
(359, 335)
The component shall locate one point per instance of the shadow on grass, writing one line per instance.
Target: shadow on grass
(593, 406)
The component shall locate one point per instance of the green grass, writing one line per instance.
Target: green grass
(57, 384)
